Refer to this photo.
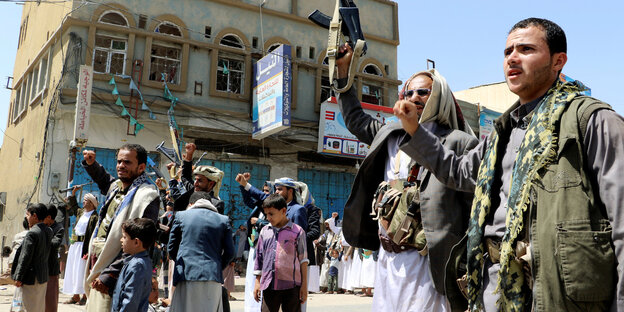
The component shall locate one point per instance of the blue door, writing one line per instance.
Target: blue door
(330, 189)
(230, 192)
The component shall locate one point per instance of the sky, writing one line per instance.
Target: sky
(465, 39)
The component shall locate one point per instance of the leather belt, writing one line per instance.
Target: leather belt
(388, 245)
(80, 238)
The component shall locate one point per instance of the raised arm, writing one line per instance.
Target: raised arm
(455, 171)
(360, 124)
(96, 171)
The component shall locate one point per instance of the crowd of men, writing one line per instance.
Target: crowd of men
(527, 219)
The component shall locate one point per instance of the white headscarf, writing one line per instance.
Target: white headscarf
(441, 106)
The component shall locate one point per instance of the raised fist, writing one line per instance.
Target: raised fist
(240, 178)
(89, 156)
(189, 148)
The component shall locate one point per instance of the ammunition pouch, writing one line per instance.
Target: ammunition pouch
(396, 206)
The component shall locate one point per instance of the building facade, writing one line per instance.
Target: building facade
(203, 51)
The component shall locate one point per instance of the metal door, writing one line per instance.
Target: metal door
(330, 189)
(230, 192)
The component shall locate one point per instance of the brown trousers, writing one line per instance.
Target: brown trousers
(52, 294)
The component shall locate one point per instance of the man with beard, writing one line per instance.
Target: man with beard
(409, 276)
(201, 179)
(545, 231)
(128, 197)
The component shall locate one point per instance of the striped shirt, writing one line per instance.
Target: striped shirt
(280, 253)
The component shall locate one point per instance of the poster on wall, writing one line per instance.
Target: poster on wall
(272, 92)
(486, 121)
(334, 137)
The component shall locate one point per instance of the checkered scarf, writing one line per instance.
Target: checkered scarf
(538, 148)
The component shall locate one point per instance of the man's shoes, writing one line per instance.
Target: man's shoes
(330, 292)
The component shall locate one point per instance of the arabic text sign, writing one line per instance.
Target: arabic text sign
(271, 93)
(83, 105)
(334, 137)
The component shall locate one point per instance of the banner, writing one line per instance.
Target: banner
(486, 122)
(271, 93)
(83, 105)
(334, 137)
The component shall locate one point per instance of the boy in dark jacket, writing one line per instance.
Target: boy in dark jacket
(31, 270)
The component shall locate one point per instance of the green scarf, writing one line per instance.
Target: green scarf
(538, 148)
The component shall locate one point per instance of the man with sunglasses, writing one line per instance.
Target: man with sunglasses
(546, 227)
(407, 278)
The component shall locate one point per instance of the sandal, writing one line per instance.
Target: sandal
(82, 301)
(70, 301)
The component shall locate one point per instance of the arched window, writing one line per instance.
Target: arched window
(114, 18)
(166, 57)
(273, 47)
(373, 70)
(168, 28)
(231, 66)
(232, 41)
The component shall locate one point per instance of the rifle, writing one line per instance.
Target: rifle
(345, 22)
(152, 165)
(168, 152)
(71, 188)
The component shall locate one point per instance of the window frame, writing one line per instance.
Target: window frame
(99, 20)
(110, 51)
(231, 57)
(164, 44)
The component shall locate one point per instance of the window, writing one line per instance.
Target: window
(168, 28)
(373, 70)
(114, 18)
(34, 90)
(298, 52)
(207, 32)
(16, 103)
(166, 59)
(372, 94)
(231, 41)
(326, 90)
(142, 21)
(26, 93)
(273, 47)
(43, 73)
(312, 54)
(230, 73)
(230, 66)
(254, 42)
(109, 56)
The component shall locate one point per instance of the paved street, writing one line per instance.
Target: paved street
(316, 302)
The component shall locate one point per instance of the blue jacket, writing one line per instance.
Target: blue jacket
(201, 244)
(295, 212)
(134, 284)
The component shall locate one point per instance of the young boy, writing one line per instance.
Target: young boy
(332, 280)
(281, 266)
(31, 269)
(135, 280)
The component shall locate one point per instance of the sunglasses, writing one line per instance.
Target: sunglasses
(409, 93)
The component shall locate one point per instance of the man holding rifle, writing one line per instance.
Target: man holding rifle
(410, 277)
